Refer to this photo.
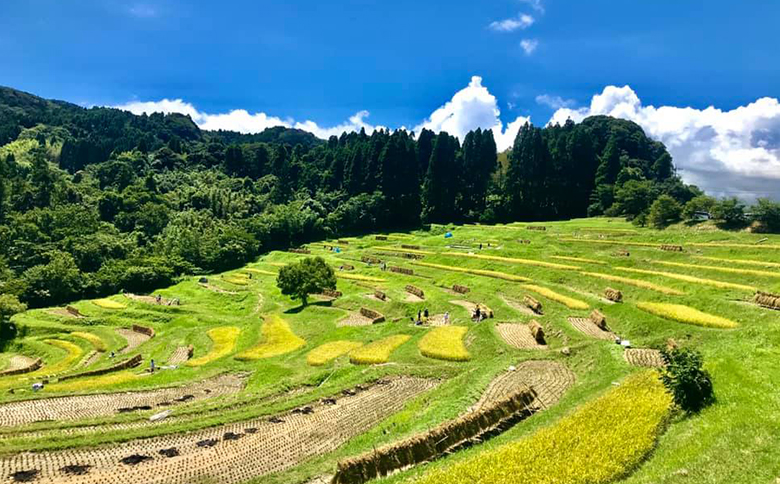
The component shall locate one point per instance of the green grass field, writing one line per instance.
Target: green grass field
(242, 325)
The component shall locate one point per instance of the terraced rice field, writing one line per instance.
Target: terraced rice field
(252, 387)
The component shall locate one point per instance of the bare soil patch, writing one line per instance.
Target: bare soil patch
(549, 379)
(134, 339)
(518, 306)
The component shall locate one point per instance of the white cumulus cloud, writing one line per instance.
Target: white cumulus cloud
(522, 21)
(470, 108)
(729, 153)
(529, 45)
(555, 102)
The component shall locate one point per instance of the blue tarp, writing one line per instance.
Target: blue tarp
(448, 235)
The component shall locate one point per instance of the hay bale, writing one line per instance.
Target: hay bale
(613, 294)
(143, 330)
(381, 237)
(540, 228)
(410, 247)
(380, 295)
(672, 248)
(533, 304)
(537, 331)
(348, 267)
(300, 251)
(525, 241)
(767, 300)
(460, 289)
(402, 270)
(598, 318)
(370, 260)
(374, 316)
(415, 290)
(407, 255)
(73, 312)
(485, 310)
(330, 293)
(623, 253)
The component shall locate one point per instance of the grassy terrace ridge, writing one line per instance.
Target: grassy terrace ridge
(613, 422)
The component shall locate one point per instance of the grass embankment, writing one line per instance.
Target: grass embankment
(475, 272)
(567, 301)
(445, 343)
(600, 442)
(96, 341)
(515, 260)
(691, 279)
(635, 283)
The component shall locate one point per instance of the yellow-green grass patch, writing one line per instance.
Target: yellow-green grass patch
(636, 283)
(378, 351)
(260, 271)
(741, 261)
(611, 242)
(514, 260)
(730, 270)
(686, 314)
(577, 259)
(733, 245)
(476, 272)
(404, 251)
(74, 354)
(445, 343)
(86, 384)
(223, 339)
(691, 279)
(330, 351)
(567, 301)
(108, 304)
(96, 341)
(236, 279)
(602, 441)
(358, 277)
(278, 339)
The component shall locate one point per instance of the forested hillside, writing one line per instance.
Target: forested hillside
(97, 200)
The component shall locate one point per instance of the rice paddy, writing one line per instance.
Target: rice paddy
(445, 343)
(379, 351)
(278, 339)
(250, 386)
(686, 314)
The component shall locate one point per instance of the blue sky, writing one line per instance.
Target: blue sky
(297, 61)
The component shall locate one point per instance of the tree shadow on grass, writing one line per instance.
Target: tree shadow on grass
(298, 309)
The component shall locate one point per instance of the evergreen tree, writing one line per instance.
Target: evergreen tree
(438, 194)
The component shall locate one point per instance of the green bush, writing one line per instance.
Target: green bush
(684, 377)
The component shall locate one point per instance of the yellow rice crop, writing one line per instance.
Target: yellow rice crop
(730, 270)
(635, 282)
(330, 351)
(611, 242)
(276, 264)
(260, 271)
(567, 301)
(96, 341)
(108, 304)
(237, 280)
(358, 277)
(278, 339)
(733, 245)
(692, 279)
(445, 343)
(741, 261)
(476, 272)
(85, 384)
(577, 259)
(514, 260)
(601, 442)
(378, 351)
(404, 251)
(74, 354)
(686, 314)
(224, 340)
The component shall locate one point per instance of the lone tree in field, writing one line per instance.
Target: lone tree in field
(309, 276)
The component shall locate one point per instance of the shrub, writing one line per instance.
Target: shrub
(569, 302)
(309, 276)
(686, 314)
(445, 343)
(664, 211)
(378, 351)
(278, 339)
(330, 351)
(224, 340)
(686, 380)
(599, 443)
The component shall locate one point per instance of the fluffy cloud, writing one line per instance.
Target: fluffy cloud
(734, 153)
(555, 102)
(535, 4)
(529, 45)
(522, 21)
(470, 108)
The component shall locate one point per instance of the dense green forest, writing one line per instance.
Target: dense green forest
(93, 201)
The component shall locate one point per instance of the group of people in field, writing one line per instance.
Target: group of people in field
(424, 315)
